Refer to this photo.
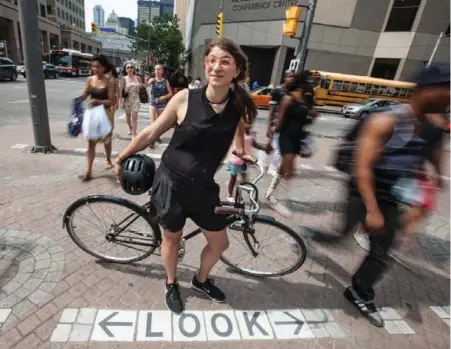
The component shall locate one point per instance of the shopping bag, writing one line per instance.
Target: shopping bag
(74, 127)
(95, 123)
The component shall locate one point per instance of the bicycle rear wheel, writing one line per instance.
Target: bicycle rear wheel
(125, 228)
(284, 248)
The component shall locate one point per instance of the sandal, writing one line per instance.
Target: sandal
(108, 165)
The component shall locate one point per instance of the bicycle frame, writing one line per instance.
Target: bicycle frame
(236, 213)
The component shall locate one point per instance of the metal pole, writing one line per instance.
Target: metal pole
(435, 48)
(35, 78)
(148, 39)
(302, 56)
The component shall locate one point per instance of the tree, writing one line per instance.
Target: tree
(163, 38)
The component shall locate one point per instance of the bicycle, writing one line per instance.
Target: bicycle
(242, 221)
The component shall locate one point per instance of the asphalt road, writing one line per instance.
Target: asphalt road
(15, 108)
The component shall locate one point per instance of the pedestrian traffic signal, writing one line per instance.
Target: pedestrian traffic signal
(94, 30)
(219, 21)
(290, 27)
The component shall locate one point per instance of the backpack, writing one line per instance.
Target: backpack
(75, 124)
(344, 155)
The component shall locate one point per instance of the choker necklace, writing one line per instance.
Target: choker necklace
(216, 103)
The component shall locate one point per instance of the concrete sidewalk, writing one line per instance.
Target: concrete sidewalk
(53, 295)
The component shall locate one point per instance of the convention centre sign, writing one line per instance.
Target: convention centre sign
(257, 10)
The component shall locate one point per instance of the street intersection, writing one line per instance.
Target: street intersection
(53, 295)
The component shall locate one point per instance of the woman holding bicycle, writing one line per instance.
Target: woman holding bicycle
(207, 121)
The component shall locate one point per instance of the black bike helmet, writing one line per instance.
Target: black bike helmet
(137, 174)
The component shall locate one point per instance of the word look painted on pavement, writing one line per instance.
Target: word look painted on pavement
(162, 325)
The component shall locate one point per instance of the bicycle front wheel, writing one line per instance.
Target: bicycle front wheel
(111, 228)
(270, 249)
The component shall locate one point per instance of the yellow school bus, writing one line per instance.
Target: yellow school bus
(340, 89)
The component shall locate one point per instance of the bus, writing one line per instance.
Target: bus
(70, 62)
(339, 89)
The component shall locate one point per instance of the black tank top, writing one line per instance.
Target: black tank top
(295, 119)
(202, 140)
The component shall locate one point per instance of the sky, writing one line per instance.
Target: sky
(122, 8)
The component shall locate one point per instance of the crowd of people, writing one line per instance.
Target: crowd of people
(386, 151)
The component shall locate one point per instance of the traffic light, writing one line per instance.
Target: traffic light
(290, 27)
(219, 21)
(94, 30)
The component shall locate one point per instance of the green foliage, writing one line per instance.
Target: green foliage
(163, 38)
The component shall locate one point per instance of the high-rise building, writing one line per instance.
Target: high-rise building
(127, 23)
(99, 15)
(70, 13)
(181, 9)
(148, 9)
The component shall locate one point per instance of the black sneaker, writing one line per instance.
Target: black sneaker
(367, 308)
(172, 298)
(209, 288)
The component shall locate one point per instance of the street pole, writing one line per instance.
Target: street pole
(35, 78)
(303, 43)
(148, 39)
(442, 34)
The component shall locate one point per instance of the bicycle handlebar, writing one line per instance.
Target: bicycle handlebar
(247, 188)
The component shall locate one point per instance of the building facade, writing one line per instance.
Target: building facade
(385, 38)
(54, 33)
(99, 15)
(70, 13)
(127, 23)
(181, 10)
(148, 9)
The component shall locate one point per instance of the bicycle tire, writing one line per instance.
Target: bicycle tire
(283, 228)
(67, 223)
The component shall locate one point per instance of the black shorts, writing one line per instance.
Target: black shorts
(290, 143)
(175, 199)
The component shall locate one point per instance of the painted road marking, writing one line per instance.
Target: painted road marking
(114, 325)
(289, 324)
(154, 325)
(394, 324)
(18, 101)
(4, 313)
(189, 326)
(77, 325)
(443, 313)
(254, 325)
(19, 146)
(306, 167)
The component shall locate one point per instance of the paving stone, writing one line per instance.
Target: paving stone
(69, 315)
(47, 286)
(32, 283)
(22, 277)
(80, 333)
(23, 308)
(10, 287)
(441, 312)
(4, 313)
(42, 264)
(9, 301)
(319, 330)
(29, 324)
(86, 316)
(58, 257)
(38, 296)
(43, 256)
(334, 330)
(317, 315)
(404, 327)
(391, 327)
(61, 333)
(55, 276)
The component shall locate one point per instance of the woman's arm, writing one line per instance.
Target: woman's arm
(150, 134)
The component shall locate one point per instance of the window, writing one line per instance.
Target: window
(324, 83)
(368, 88)
(361, 88)
(385, 68)
(375, 89)
(337, 85)
(49, 10)
(402, 15)
(67, 3)
(58, 12)
(67, 16)
(71, 19)
(346, 86)
(353, 87)
(42, 7)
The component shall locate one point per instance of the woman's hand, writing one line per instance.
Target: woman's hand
(117, 167)
(157, 100)
(94, 102)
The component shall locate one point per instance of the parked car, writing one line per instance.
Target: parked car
(262, 96)
(49, 71)
(20, 68)
(363, 108)
(8, 70)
